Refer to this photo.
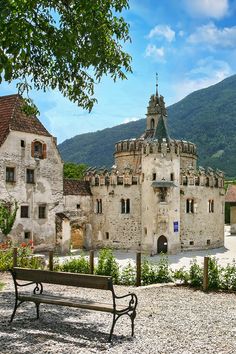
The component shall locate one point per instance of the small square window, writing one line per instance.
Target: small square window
(42, 212)
(24, 211)
(27, 235)
(10, 174)
(22, 143)
(78, 206)
(29, 175)
(191, 243)
(208, 242)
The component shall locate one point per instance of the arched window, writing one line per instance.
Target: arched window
(190, 206)
(211, 206)
(99, 206)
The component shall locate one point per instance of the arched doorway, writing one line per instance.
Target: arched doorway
(162, 244)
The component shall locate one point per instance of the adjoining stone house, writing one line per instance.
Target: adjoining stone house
(31, 172)
(230, 198)
(155, 198)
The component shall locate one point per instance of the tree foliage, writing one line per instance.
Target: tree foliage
(63, 44)
(7, 217)
(74, 171)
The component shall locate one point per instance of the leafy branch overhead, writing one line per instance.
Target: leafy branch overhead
(63, 44)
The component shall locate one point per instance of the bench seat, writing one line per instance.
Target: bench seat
(71, 302)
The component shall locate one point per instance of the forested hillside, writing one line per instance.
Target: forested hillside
(206, 117)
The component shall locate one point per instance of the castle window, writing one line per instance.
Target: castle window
(208, 242)
(22, 143)
(27, 235)
(107, 235)
(125, 206)
(78, 206)
(145, 231)
(191, 243)
(154, 176)
(96, 181)
(197, 181)
(172, 176)
(152, 123)
(134, 180)
(99, 206)
(190, 206)
(119, 180)
(38, 150)
(207, 182)
(185, 180)
(42, 212)
(24, 211)
(29, 175)
(216, 183)
(10, 174)
(211, 206)
(107, 180)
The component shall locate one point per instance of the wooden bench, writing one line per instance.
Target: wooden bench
(39, 277)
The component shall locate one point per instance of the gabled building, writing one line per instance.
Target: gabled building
(31, 172)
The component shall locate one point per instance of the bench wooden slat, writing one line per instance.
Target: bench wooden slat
(71, 302)
(64, 278)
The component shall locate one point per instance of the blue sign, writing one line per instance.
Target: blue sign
(176, 226)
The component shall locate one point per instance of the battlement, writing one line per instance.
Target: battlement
(202, 177)
(103, 177)
(147, 146)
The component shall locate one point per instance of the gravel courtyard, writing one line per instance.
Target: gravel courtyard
(170, 319)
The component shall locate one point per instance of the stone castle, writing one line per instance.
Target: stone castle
(154, 198)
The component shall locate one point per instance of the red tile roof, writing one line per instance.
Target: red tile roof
(12, 118)
(230, 196)
(75, 187)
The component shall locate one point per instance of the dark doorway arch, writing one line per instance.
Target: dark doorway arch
(162, 244)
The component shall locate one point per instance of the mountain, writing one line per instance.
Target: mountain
(206, 117)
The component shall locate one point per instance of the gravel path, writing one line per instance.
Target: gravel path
(170, 320)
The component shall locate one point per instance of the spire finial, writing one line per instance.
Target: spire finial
(156, 84)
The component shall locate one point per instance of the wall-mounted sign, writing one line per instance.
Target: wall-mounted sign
(176, 226)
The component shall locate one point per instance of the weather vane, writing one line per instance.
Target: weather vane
(156, 84)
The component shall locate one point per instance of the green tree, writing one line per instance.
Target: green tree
(74, 171)
(63, 44)
(7, 217)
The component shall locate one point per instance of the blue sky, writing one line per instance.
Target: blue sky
(191, 44)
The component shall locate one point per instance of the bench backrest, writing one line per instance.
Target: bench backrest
(63, 278)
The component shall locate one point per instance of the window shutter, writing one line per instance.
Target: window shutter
(44, 151)
(32, 149)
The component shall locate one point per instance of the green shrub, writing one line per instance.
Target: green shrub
(156, 273)
(182, 275)
(195, 274)
(128, 275)
(214, 274)
(107, 265)
(25, 258)
(228, 277)
(75, 265)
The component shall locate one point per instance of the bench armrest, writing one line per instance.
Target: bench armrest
(132, 304)
(38, 289)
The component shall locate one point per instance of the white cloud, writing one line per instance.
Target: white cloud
(154, 52)
(130, 119)
(211, 35)
(181, 33)
(162, 31)
(207, 72)
(207, 8)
